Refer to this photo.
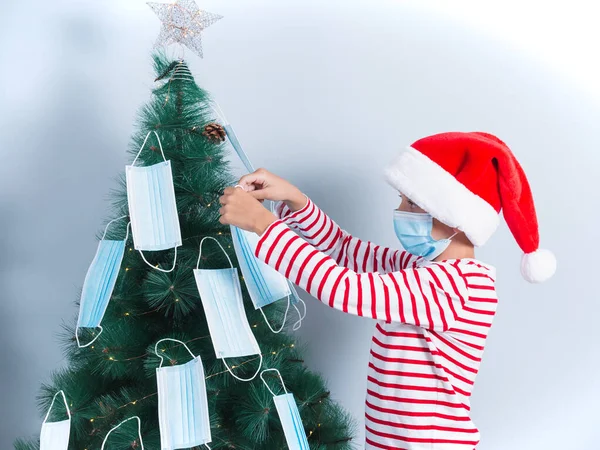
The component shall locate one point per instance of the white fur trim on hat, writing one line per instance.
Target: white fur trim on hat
(538, 266)
(440, 194)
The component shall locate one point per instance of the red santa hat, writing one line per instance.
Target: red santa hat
(464, 180)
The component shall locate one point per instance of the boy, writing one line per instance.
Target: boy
(433, 302)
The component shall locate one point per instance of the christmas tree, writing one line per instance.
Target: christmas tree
(111, 377)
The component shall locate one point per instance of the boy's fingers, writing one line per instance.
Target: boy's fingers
(251, 178)
(260, 194)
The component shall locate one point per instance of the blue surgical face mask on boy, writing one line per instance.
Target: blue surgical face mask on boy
(414, 232)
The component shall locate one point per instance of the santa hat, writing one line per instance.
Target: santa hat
(464, 180)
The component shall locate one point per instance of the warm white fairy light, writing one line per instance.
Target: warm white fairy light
(210, 376)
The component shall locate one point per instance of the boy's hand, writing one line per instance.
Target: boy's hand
(264, 185)
(242, 210)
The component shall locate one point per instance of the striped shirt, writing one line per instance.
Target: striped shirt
(432, 322)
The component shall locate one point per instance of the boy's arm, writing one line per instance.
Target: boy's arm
(430, 297)
(318, 229)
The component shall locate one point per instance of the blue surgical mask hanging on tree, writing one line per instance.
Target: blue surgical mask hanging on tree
(289, 416)
(221, 296)
(183, 415)
(265, 285)
(414, 233)
(99, 283)
(152, 206)
(55, 435)
(235, 143)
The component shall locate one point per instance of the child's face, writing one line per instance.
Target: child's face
(439, 229)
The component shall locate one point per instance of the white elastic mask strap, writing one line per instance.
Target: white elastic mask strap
(114, 220)
(52, 403)
(142, 147)
(284, 317)
(301, 316)
(200, 251)
(263, 380)
(114, 428)
(244, 379)
(89, 343)
(173, 340)
(218, 111)
(158, 268)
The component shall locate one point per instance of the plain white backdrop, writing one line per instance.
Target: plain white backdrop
(324, 94)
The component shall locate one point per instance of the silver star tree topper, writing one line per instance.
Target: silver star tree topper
(182, 22)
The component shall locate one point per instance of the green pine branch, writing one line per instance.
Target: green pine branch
(115, 377)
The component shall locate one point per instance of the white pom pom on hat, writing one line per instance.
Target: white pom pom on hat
(465, 179)
(538, 266)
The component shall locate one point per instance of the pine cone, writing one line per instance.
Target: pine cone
(214, 132)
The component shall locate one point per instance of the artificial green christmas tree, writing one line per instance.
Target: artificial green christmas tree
(114, 378)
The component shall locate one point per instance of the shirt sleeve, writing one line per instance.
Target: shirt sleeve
(431, 297)
(319, 230)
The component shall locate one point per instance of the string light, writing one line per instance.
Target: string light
(126, 313)
(133, 402)
(126, 269)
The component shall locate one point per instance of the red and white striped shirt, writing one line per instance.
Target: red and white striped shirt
(432, 322)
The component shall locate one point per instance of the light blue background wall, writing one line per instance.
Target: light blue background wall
(323, 94)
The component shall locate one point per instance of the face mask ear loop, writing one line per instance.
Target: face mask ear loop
(263, 380)
(114, 220)
(128, 228)
(114, 428)
(218, 111)
(158, 268)
(301, 316)
(173, 340)
(293, 290)
(244, 379)
(89, 343)
(284, 317)
(142, 147)
(52, 403)
(200, 252)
